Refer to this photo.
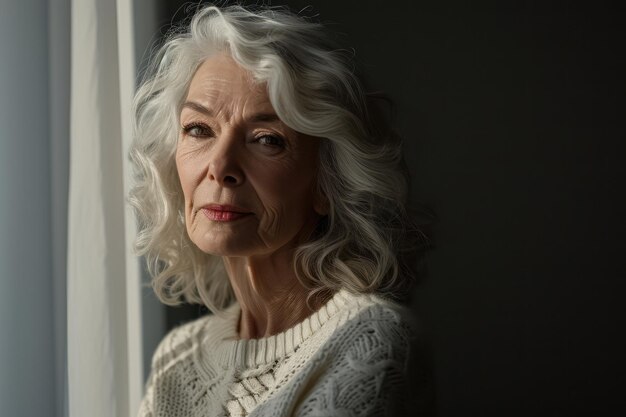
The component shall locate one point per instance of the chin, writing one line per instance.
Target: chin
(218, 246)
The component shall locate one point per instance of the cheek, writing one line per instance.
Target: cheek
(287, 199)
(281, 186)
(188, 172)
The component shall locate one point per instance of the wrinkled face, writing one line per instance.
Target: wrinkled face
(248, 179)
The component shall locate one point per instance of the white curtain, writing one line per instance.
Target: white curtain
(105, 374)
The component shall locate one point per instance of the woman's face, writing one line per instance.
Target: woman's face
(247, 178)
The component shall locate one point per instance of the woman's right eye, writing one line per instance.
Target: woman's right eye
(197, 130)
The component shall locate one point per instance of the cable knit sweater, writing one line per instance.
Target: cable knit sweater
(347, 359)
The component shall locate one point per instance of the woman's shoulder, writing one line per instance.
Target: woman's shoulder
(373, 328)
(373, 312)
(179, 342)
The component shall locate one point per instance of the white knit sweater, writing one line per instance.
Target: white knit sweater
(347, 359)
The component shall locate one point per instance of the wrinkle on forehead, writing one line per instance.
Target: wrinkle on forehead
(227, 89)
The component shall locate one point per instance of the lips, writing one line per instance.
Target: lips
(224, 213)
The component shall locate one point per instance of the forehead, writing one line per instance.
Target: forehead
(220, 81)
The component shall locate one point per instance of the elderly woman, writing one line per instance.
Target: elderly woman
(269, 191)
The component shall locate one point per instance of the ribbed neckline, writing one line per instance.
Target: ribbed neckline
(221, 348)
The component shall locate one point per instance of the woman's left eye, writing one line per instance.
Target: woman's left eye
(271, 140)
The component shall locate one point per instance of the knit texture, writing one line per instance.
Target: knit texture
(347, 359)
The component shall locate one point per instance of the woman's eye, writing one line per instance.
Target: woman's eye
(197, 130)
(271, 140)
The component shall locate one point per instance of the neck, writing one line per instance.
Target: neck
(271, 297)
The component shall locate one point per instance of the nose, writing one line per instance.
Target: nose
(225, 165)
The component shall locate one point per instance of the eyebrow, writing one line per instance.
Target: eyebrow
(258, 117)
(197, 107)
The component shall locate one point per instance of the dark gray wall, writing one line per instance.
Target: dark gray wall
(520, 152)
(513, 120)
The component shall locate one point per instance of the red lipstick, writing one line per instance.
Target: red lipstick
(224, 213)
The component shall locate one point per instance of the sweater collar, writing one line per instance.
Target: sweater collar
(222, 348)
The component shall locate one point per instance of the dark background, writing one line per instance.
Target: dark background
(513, 118)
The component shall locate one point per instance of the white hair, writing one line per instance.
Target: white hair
(361, 244)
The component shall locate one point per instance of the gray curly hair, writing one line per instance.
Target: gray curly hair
(362, 245)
